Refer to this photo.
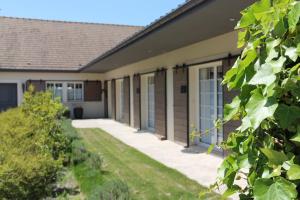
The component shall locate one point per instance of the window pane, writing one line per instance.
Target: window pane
(78, 91)
(58, 90)
(70, 91)
(75, 91)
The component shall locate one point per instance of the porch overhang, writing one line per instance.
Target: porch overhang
(195, 21)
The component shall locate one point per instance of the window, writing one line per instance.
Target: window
(75, 91)
(56, 89)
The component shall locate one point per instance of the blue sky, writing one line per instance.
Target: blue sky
(133, 12)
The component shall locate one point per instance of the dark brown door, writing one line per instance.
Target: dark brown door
(8, 96)
(180, 81)
(137, 101)
(126, 103)
(105, 99)
(113, 99)
(160, 103)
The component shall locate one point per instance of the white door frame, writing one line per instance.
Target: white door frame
(195, 111)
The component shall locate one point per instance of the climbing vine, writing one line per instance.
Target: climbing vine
(264, 152)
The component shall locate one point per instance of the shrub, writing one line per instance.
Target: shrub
(114, 190)
(31, 147)
(95, 161)
(79, 152)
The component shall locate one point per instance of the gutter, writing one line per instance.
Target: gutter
(159, 23)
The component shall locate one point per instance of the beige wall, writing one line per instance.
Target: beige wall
(211, 49)
(91, 109)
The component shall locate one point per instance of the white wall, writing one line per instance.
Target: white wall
(213, 48)
(91, 109)
(210, 49)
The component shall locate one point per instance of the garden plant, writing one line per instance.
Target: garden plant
(264, 151)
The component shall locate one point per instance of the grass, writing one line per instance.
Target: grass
(146, 178)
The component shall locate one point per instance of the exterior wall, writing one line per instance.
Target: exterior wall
(92, 109)
(211, 49)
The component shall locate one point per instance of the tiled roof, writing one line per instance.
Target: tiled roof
(30, 44)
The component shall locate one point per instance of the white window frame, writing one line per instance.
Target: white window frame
(54, 83)
(213, 65)
(65, 89)
(82, 91)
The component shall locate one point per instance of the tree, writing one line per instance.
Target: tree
(264, 150)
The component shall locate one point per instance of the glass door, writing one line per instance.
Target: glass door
(151, 104)
(211, 104)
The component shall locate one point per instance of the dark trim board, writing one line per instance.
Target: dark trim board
(160, 103)
(188, 106)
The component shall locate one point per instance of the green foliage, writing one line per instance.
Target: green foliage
(265, 148)
(79, 152)
(95, 161)
(31, 148)
(114, 190)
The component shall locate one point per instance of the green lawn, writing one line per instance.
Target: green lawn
(146, 178)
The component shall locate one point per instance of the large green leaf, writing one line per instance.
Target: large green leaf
(246, 19)
(293, 17)
(259, 108)
(271, 44)
(294, 172)
(264, 75)
(287, 115)
(280, 189)
(230, 110)
(291, 52)
(274, 157)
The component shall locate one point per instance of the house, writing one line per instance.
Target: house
(162, 78)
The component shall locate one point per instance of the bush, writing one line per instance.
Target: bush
(79, 152)
(114, 190)
(31, 147)
(95, 161)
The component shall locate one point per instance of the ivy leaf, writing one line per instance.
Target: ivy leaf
(277, 65)
(287, 115)
(293, 17)
(260, 8)
(296, 137)
(274, 157)
(280, 29)
(241, 38)
(271, 51)
(281, 189)
(294, 172)
(230, 110)
(291, 52)
(264, 76)
(246, 19)
(231, 191)
(259, 108)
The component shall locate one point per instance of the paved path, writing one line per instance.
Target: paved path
(194, 163)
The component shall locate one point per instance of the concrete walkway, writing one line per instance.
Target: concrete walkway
(194, 163)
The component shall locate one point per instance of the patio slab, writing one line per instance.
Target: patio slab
(195, 164)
